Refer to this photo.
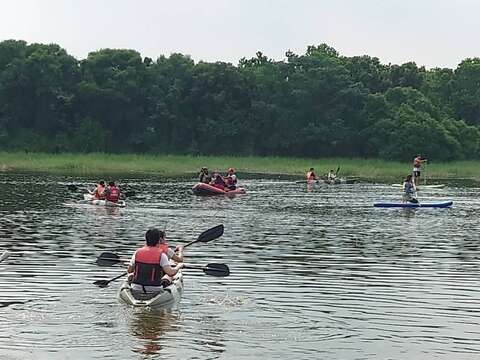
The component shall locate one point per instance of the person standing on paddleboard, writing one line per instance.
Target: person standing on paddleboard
(417, 164)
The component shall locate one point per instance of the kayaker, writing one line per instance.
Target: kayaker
(218, 182)
(417, 164)
(231, 179)
(409, 190)
(204, 177)
(311, 175)
(112, 192)
(150, 264)
(331, 175)
(98, 193)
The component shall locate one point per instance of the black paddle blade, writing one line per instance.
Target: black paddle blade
(108, 259)
(211, 234)
(129, 193)
(102, 283)
(219, 270)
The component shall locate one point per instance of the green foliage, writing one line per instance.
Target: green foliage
(318, 104)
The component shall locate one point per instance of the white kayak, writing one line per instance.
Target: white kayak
(168, 297)
(433, 186)
(92, 200)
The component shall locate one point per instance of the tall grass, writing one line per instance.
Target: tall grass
(186, 165)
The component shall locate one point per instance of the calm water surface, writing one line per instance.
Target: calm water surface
(315, 275)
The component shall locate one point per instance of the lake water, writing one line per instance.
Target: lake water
(314, 275)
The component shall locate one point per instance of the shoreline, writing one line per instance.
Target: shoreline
(186, 166)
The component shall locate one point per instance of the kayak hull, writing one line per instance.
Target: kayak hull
(442, 204)
(90, 199)
(206, 189)
(167, 298)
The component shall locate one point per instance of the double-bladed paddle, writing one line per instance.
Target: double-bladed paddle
(217, 270)
(109, 258)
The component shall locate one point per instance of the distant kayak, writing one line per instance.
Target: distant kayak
(441, 204)
(331, 182)
(206, 189)
(90, 199)
(433, 186)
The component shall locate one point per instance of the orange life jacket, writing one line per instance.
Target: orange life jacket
(99, 192)
(148, 271)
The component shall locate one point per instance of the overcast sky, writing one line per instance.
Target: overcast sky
(434, 33)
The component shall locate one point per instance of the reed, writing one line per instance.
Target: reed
(186, 165)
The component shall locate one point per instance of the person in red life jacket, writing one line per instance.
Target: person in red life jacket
(311, 175)
(112, 192)
(231, 179)
(218, 182)
(98, 193)
(417, 164)
(150, 264)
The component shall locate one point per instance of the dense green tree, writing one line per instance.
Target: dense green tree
(314, 104)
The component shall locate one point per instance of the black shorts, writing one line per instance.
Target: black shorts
(416, 174)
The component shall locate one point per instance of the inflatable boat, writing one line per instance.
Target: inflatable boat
(206, 189)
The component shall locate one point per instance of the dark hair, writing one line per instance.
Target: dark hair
(408, 178)
(101, 182)
(153, 235)
(311, 169)
(111, 183)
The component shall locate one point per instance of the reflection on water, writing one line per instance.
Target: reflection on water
(149, 327)
(315, 273)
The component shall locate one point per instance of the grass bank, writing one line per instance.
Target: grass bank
(186, 165)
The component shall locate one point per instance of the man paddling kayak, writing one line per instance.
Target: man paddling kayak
(99, 190)
(150, 264)
(311, 176)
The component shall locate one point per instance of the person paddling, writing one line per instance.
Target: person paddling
(417, 164)
(409, 190)
(98, 193)
(149, 267)
(231, 179)
(112, 192)
(311, 175)
(331, 175)
(218, 182)
(204, 177)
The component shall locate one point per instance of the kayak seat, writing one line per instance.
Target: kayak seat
(139, 295)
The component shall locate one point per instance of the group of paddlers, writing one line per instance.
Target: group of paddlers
(311, 176)
(413, 180)
(216, 179)
(109, 192)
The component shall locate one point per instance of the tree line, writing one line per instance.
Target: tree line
(318, 104)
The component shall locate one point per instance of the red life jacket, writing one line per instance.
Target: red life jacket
(311, 175)
(148, 271)
(113, 194)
